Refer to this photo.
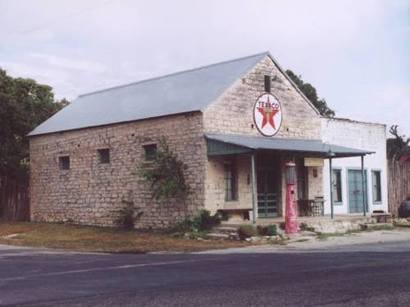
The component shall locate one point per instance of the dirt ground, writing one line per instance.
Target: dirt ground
(99, 239)
(311, 242)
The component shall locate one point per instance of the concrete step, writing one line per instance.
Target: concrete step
(337, 225)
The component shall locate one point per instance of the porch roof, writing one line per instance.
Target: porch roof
(224, 144)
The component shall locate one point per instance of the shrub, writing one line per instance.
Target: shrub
(306, 227)
(127, 215)
(282, 225)
(165, 174)
(203, 221)
(269, 230)
(246, 231)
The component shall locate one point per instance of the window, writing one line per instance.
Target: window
(230, 181)
(337, 185)
(150, 151)
(104, 156)
(267, 83)
(302, 180)
(64, 162)
(377, 186)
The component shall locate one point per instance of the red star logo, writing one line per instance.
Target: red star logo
(268, 112)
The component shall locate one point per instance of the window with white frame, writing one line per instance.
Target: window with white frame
(337, 185)
(377, 186)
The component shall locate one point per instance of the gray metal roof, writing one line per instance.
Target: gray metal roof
(186, 91)
(313, 147)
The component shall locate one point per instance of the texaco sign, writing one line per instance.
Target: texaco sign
(267, 114)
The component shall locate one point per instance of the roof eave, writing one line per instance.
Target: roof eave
(322, 154)
(31, 134)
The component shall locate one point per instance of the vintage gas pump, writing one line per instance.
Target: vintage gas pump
(291, 224)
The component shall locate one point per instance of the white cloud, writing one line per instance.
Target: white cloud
(70, 64)
(348, 49)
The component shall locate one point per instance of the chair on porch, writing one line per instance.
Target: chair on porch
(311, 207)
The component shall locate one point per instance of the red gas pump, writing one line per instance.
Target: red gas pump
(291, 224)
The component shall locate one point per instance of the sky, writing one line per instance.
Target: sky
(356, 53)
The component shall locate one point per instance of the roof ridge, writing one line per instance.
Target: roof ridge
(175, 73)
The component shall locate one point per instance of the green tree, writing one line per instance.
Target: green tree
(310, 92)
(165, 174)
(397, 146)
(24, 104)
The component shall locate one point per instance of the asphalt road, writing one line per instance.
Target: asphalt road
(374, 275)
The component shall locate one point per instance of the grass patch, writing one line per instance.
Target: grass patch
(278, 242)
(401, 223)
(302, 240)
(101, 239)
(372, 227)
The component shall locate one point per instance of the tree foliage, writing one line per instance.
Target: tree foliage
(310, 92)
(23, 105)
(165, 173)
(397, 146)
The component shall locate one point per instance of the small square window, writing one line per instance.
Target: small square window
(64, 162)
(104, 156)
(377, 186)
(150, 151)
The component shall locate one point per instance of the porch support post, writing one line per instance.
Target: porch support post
(331, 187)
(363, 186)
(254, 192)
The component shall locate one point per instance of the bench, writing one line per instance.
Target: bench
(381, 217)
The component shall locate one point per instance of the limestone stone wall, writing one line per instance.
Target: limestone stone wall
(215, 185)
(315, 182)
(232, 112)
(92, 193)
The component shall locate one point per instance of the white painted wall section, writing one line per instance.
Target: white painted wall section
(359, 135)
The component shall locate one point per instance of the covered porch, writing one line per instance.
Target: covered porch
(252, 171)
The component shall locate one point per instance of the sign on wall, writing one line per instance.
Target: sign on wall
(267, 114)
(315, 162)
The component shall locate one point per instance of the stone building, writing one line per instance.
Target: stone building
(234, 124)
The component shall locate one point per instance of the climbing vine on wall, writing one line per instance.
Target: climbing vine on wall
(165, 174)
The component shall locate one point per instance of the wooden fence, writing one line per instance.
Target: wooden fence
(14, 199)
(398, 183)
